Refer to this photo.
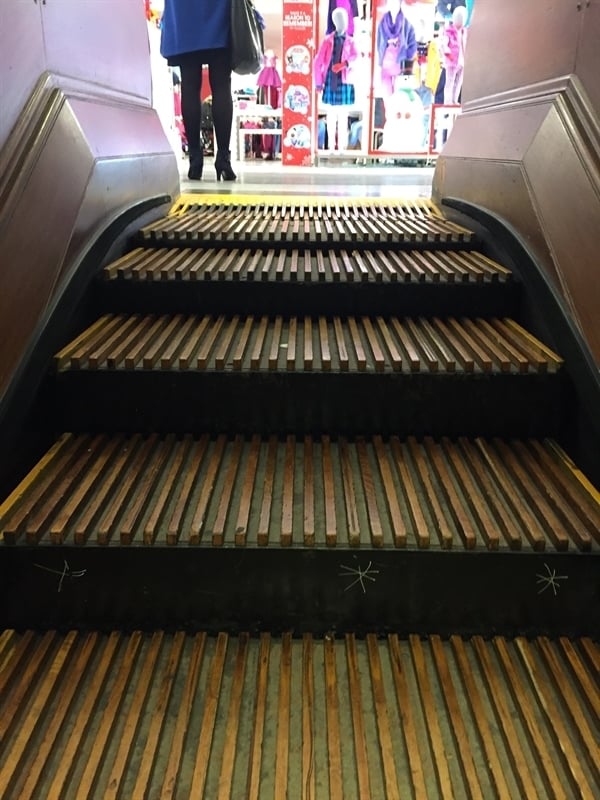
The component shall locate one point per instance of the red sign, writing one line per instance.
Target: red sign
(298, 125)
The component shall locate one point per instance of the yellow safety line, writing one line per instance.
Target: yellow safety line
(189, 199)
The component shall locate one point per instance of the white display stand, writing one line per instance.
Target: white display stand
(251, 112)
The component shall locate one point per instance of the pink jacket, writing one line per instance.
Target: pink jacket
(455, 40)
(323, 59)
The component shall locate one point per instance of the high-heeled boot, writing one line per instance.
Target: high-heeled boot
(223, 166)
(196, 164)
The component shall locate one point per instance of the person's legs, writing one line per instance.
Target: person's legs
(191, 111)
(219, 74)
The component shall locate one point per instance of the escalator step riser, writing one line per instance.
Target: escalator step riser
(168, 714)
(310, 492)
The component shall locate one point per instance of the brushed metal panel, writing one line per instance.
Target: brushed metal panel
(130, 178)
(501, 187)
(79, 181)
(21, 59)
(34, 242)
(514, 44)
(588, 55)
(114, 131)
(568, 208)
(507, 133)
(103, 42)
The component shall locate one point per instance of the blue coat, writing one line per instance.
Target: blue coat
(189, 25)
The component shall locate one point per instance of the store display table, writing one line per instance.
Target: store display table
(252, 113)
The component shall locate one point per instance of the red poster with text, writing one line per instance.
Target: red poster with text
(298, 98)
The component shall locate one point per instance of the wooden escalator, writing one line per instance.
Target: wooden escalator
(309, 527)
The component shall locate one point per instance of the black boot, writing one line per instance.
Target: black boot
(223, 166)
(196, 164)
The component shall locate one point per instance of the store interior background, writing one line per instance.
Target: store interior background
(355, 168)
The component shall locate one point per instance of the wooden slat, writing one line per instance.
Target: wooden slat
(587, 686)
(486, 734)
(233, 720)
(352, 522)
(208, 485)
(209, 342)
(287, 505)
(21, 500)
(109, 717)
(358, 729)
(434, 733)
(11, 702)
(523, 702)
(159, 501)
(329, 492)
(370, 495)
(282, 747)
(209, 717)
(551, 524)
(421, 527)
(218, 528)
(159, 714)
(332, 707)
(450, 695)
(177, 743)
(505, 719)
(308, 720)
(391, 496)
(179, 490)
(405, 704)
(238, 354)
(386, 743)
(557, 723)
(444, 531)
(145, 679)
(66, 695)
(309, 493)
(463, 522)
(267, 497)
(510, 495)
(258, 343)
(259, 716)
(127, 486)
(484, 490)
(241, 527)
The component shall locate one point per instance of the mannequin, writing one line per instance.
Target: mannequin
(351, 7)
(396, 46)
(455, 40)
(335, 55)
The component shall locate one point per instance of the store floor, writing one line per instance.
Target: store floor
(338, 179)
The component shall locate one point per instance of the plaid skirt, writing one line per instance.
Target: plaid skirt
(340, 95)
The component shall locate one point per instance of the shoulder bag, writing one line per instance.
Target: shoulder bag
(247, 45)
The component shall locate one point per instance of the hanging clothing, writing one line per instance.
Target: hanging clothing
(324, 59)
(400, 30)
(351, 7)
(269, 83)
(269, 76)
(335, 91)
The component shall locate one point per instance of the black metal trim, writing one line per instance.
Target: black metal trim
(548, 318)
(21, 440)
